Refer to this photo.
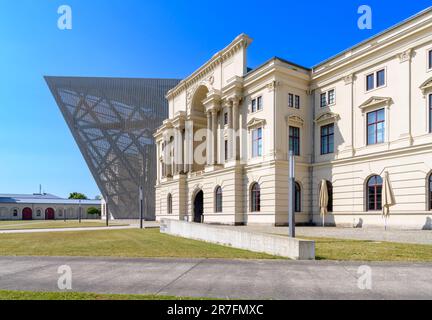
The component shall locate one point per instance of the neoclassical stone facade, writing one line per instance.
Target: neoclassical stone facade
(223, 153)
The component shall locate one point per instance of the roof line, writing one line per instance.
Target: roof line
(427, 10)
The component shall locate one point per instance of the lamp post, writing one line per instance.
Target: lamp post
(291, 195)
(141, 209)
(79, 210)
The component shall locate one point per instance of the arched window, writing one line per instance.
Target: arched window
(430, 192)
(169, 204)
(297, 199)
(255, 198)
(218, 199)
(374, 193)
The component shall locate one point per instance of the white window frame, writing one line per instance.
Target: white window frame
(428, 53)
(256, 104)
(375, 76)
(252, 142)
(327, 94)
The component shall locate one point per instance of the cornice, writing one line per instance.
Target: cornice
(241, 42)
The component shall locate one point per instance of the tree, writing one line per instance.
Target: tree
(77, 196)
(94, 211)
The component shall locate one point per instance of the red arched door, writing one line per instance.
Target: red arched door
(27, 214)
(49, 214)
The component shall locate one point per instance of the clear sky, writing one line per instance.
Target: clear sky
(137, 38)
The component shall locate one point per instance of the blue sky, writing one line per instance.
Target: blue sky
(136, 38)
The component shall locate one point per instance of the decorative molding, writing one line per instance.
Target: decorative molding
(405, 56)
(327, 116)
(376, 101)
(349, 79)
(294, 120)
(272, 86)
(426, 87)
(255, 122)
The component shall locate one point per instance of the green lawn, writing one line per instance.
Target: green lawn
(361, 250)
(134, 243)
(27, 295)
(23, 225)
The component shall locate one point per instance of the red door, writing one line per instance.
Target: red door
(27, 214)
(49, 214)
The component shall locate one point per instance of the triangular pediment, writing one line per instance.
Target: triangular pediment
(426, 86)
(376, 101)
(327, 116)
(255, 122)
(295, 120)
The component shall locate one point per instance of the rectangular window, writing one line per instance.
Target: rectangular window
(323, 100)
(257, 143)
(376, 80)
(430, 59)
(297, 102)
(259, 103)
(380, 78)
(376, 127)
(226, 118)
(327, 139)
(294, 140)
(331, 97)
(290, 100)
(430, 113)
(254, 109)
(370, 82)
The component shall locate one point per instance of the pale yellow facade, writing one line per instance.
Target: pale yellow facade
(223, 94)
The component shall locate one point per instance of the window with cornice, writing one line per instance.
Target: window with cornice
(257, 142)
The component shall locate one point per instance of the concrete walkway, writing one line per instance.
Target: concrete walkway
(67, 229)
(375, 234)
(242, 279)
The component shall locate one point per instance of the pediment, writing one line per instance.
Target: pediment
(255, 122)
(426, 86)
(327, 116)
(295, 120)
(376, 101)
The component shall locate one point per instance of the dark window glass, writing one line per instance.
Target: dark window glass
(430, 113)
(254, 108)
(259, 103)
(226, 118)
(327, 139)
(256, 198)
(370, 82)
(218, 199)
(331, 97)
(169, 204)
(323, 100)
(374, 193)
(430, 59)
(380, 78)
(294, 140)
(257, 142)
(430, 191)
(297, 199)
(297, 102)
(290, 100)
(376, 127)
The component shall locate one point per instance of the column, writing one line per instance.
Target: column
(158, 169)
(214, 136)
(230, 131)
(236, 146)
(405, 93)
(190, 145)
(209, 138)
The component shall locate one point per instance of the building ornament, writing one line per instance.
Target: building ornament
(375, 101)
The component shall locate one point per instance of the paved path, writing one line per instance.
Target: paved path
(67, 229)
(244, 279)
(374, 234)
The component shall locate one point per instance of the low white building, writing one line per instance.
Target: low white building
(45, 207)
(350, 119)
